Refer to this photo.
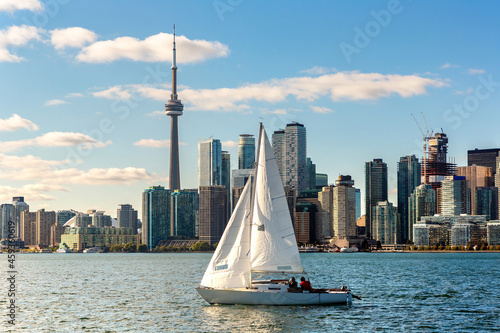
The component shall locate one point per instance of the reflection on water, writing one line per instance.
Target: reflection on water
(155, 293)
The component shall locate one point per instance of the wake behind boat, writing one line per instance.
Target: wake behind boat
(259, 239)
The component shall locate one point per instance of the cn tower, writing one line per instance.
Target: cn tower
(174, 108)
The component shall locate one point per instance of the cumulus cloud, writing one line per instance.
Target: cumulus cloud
(13, 5)
(321, 109)
(229, 144)
(341, 86)
(16, 122)
(475, 71)
(71, 37)
(154, 48)
(53, 102)
(30, 192)
(16, 36)
(54, 139)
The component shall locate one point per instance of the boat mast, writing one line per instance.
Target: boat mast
(253, 180)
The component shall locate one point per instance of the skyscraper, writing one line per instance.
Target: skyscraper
(375, 188)
(325, 198)
(484, 157)
(344, 208)
(246, 151)
(209, 162)
(225, 177)
(295, 157)
(126, 217)
(435, 167)
(422, 202)
(155, 215)
(409, 177)
(311, 174)
(213, 213)
(44, 220)
(278, 139)
(476, 176)
(185, 205)
(19, 207)
(174, 108)
(6, 215)
(454, 196)
(486, 202)
(385, 218)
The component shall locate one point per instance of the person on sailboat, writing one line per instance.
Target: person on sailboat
(292, 283)
(305, 285)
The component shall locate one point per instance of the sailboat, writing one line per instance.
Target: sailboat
(259, 239)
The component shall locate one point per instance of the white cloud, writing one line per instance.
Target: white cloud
(277, 111)
(16, 122)
(31, 192)
(156, 114)
(448, 65)
(155, 143)
(475, 71)
(154, 48)
(341, 86)
(54, 139)
(74, 95)
(13, 5)
(318, 70)
(229, 144)
(321, 109)
(71, 37)
(16, 36)
(462, 92)
(53, 102)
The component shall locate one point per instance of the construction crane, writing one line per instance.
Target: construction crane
(427, 136)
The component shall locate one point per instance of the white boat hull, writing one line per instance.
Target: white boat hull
(249, 297)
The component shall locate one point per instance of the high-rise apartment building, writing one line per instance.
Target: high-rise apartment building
(213, 213)
(64, 216)
(486, 202)
(409, 177)
(385, 218)
(99, 219)
(358, 203)
(476, 176)
(321, 180)
(126, 217)
(422, 202)
(311, 174)
(155, 215)
(6, 215)
(308, 203)
(28, 227)
(325, 198)
(19, 207)
(484, 157)
(226, 177)
(246, 151)
(209, 162)
(375, 189)
(344, 208)
(185, 205)
(291, 155)
(453, 197)
(435, 166)
(44, 220)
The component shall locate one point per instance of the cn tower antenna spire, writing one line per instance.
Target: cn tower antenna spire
(174, 108)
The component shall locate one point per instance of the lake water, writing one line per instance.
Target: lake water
(457, 292)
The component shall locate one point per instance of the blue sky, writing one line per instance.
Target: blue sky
(83, 85)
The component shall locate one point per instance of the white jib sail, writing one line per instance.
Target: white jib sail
(274, 247)
(230, 264)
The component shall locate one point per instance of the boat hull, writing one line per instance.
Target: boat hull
(248, 297)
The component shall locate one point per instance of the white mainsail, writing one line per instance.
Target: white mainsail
(273, 244)
(230, 264)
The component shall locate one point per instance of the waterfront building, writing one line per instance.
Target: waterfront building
(209, 162)
(126, 217)
(6, 215)
(174, 109)
(28, 227)
(358, 203)
(246, 151)
(56, 230)
(385, 218)
(409, 177)
(213, 213)
(235, 195)
(485, 158)
(430, 234)
(493, 233)
(464, 234)
(422, 202)
(80, 238)
(325, 199)
(226, 177)
(99, 219)
(278, 143)
(486, 202)
(44, 219)
(435, 166)
(375, 189)
(185, 205)
(453, 196)
(307, 209)
(311, 174)
(344, 207)
(64, 216)
(476, 176)
(155, 215)
(19, 206)
(290, 151)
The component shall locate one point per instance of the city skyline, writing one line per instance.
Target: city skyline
(352, 80)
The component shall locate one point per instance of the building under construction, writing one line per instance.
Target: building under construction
(435, 166)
